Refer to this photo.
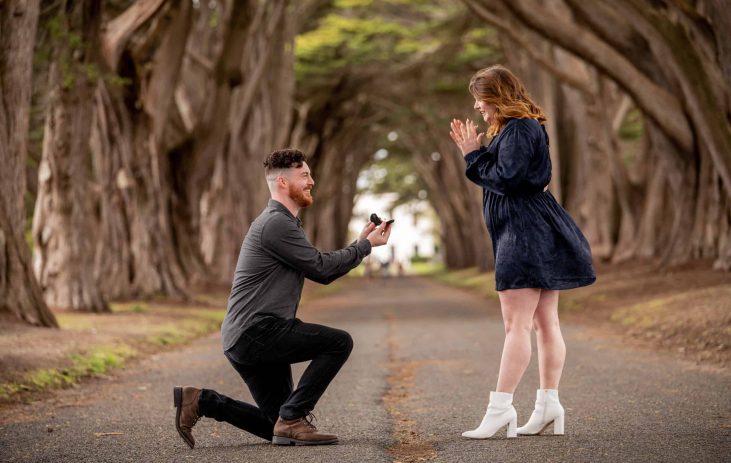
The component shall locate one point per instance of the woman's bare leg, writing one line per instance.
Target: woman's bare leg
(518, 307)
(551, 346)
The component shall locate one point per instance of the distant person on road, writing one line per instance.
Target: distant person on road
(538, 248)
(261, 336)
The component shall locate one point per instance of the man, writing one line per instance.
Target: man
(261, 336)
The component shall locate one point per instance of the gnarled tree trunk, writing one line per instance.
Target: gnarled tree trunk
(137, 255)
(20, 293)
(212, 71)
(258, 122)
(62, 221)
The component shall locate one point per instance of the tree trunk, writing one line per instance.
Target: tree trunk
(137, 254)
(456, 200)
(543, 87)
(258, 123)
(62, 221)
(336, 164)
(212, 71)
(20, 293)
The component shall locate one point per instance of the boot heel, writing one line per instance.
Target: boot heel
(279, 440)
(177, 396)
(558, 426)
(513, 428)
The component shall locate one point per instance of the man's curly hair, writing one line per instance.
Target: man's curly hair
(284, 159)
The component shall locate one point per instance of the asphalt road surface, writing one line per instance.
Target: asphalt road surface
(425, 359)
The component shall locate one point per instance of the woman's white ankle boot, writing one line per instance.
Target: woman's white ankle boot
(500, 412)
(548, 410)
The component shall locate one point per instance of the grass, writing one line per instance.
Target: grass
(644, 314)
(206, 321)
(94, 363)
(470, 278)
(132, 328)
(426, 268)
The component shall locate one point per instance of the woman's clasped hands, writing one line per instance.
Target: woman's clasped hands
(465, 136)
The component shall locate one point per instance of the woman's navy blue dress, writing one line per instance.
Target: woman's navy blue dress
(535, 242)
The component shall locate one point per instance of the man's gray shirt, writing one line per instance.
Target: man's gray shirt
(275, 259)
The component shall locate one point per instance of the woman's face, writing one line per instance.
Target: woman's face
(486, 109)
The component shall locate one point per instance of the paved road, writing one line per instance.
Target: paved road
(424, 362)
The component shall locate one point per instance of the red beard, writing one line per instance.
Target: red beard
(300, 197)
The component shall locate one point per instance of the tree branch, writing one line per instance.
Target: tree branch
(664, 108)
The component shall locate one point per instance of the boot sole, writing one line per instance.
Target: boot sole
(178, 402)
(540, 433)
(279, 440)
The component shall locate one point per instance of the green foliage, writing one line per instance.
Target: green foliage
(630, 134)
(92, 72)
(29, 239)
(74, 40)
(67, 76)
(215, 20)
(343, 4)
(394, 174)
(479, 45)
(632, 125)
(69, 50)
(56, 27)
(30, 201)
(341, 41)
(359, 33)
(118, 80)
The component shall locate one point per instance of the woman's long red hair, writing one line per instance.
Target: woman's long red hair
(498, 86)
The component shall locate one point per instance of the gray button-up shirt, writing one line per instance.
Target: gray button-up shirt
(274, 260)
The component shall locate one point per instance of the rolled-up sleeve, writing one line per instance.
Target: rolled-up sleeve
(286, 241)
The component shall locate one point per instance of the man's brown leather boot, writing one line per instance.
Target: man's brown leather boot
(186, 415)
(300, 432)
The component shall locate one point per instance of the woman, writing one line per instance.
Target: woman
(538, 248)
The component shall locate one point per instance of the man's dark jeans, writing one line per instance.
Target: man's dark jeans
(262, 356)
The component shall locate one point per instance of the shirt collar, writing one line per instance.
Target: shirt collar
(277, 206)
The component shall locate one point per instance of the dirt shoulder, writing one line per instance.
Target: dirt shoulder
(34, 361)
(684, 311)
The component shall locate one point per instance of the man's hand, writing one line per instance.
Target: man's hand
(465, 136)
(370, 226)
(379, 235)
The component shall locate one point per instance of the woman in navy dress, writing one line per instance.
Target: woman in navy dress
(538, 248)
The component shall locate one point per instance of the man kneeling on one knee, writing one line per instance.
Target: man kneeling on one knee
(261, 336)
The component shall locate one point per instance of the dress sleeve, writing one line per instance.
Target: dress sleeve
(478, 162)
(512, 162)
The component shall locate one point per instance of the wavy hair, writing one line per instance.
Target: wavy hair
(498, 86)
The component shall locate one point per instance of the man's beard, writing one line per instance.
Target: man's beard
(299, 197)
